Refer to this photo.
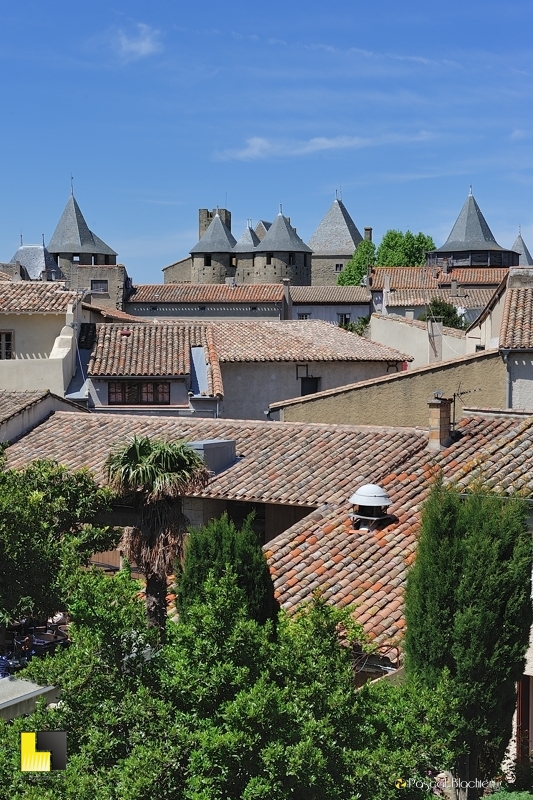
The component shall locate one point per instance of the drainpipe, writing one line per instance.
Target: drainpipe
(508, 384)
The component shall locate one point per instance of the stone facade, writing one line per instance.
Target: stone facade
(273, 267)
(206, 217)
(326, 269)
(180, 272)
(109, 286)
(212, 267)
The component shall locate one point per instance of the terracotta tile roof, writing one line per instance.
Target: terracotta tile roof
(369, 568)
(153, 350)
(4, 276)
(516, 332)
(47, 297)
(329, 294)
(290, 463)
(319, 465)
(288, 340)
(420, 277)
(113, 313)
(206, 293)
(474, 298)
(12, 403)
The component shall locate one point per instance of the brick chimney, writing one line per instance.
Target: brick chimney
(440, 417)
(368, 234)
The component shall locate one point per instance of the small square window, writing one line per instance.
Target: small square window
(304, 316)
(339, 267)
(99, 286)
(6, 345)
(201, 308)
(207, 260)
(270, 256)
(343, 319)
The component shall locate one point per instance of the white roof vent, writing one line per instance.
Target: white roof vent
(370, 503)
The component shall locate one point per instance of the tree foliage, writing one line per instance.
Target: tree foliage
(224, 709)
(468, 611)
(157, 473)
(398, 249)
(46, 526)
(447, 312)
(211, 550)
(357, 266)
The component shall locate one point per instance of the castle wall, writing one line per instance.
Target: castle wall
(180, 272)
(220, 269)
(323, 272)
(298, 273)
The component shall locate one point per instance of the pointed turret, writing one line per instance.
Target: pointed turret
(470, 231)
(72, 234)
(282, 237)
(471, 243)
(337, 233)
(248, 241)
(520, 247)
(217, 238)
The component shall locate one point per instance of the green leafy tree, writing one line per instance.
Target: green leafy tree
(47, 528)
(357, 266)
(468, 612)
(217, 546)
(157, 473)
(398, 249)
(447, 312)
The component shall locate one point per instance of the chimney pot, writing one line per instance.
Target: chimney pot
(439, 421)
(368, 234)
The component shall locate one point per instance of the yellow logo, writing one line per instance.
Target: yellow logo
(43, 751)
(400, 783)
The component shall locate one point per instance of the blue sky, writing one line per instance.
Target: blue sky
(158, 109)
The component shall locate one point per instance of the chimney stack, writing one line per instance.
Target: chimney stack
(368, 234)
(440, 417)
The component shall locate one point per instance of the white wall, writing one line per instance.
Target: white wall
(329, 312)
(411, 337)
(54, 372)
(34, 334)
(29, 417)
(250, 387)
(521, 368)
(487, 332)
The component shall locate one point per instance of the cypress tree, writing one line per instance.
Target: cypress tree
(217, 546)
(468, 611)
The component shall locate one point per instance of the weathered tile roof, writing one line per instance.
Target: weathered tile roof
(319, 466)
(207, 293)
(4, 276)
(45, 297)
(336, 234)
(433, 277)
(329, 294)
(516, 332)
(288, 340)
(473, 298)
(12, 403)
(289, 463)
(369, 568)
(113, 313)
(153, 351)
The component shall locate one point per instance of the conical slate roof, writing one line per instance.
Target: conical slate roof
(217, 239)
(520, 246)
(281, 237)
(72, 234)
(337, 234)
(470, 231)
(248, 242)
(36, 259)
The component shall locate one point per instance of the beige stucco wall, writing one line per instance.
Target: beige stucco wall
(487, 332)
(34, 334)
(402, 399)
(250, 387)
(414, 340)
(27, 373)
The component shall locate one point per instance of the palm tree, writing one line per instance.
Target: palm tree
(158, 474)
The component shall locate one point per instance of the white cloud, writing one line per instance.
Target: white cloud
(260, 148)
(144, 41)
(518, 134)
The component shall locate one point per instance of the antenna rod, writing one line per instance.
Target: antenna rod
(72, 184)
